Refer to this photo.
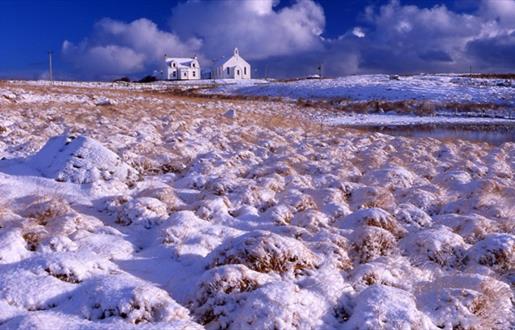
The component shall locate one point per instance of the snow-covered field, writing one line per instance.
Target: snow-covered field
(444, 88)
(404, 120)
(125, 207)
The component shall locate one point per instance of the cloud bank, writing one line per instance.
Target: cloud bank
(255, 27)
(289, 41)
(118, 48)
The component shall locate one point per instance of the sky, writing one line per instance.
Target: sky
(107, 39)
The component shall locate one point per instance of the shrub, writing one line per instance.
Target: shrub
(145, 211)
(279, 214)
(369, 243)
(391, 177)
(147, 79)
(264, 252)
(439, 245)
(311, 220)
(495, 250)
(471, 227)
(126, 298)
(412, 216)
(44, 209)
(220, 286)
(383, 307)
(368, 197)
(32, 238)
(467, 301)
(122, 79)
(164, 194)
(298, 200)
(372, 217)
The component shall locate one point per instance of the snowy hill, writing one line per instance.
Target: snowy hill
(437, 88)
(80, 160)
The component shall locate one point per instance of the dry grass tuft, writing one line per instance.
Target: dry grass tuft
(63, 276)
(220, 286)
(33, 239)
(492, 305)
(265, 252)
(369, 197)
(372, 242)
(44, 209)
(164, 194)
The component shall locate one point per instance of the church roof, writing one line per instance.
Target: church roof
(223, 60)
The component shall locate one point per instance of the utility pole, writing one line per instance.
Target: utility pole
(50, 73)
(213, 69)
(320, 70)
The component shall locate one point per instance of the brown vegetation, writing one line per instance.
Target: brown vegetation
(32, 238)
(219, 286)
(490, 75)
(372, 242)
(265, 252)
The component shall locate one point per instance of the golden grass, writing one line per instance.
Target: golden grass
(185, 106)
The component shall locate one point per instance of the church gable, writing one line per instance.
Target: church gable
(233, 68)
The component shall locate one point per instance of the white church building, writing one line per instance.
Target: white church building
(233, 68)
(180, 68)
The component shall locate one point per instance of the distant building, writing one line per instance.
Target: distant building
(233, 68)
(182, 68)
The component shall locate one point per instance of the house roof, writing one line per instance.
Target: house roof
(182, 62)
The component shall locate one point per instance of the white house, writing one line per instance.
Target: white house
(182, 68)
(233, 68)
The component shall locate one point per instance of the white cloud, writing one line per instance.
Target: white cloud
(358, 32)
(108, 59)
(398, 38)
(408, 38)
(260, 7)
(143, 36)
(210, 29)
(502, 10)
(255, 27)
(118, 48)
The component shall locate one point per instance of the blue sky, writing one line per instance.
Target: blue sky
(105, 39)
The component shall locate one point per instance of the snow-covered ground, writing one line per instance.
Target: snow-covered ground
(371, 100)
(123, 208)
(155, 86)
(404, 120)
(442, 88)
